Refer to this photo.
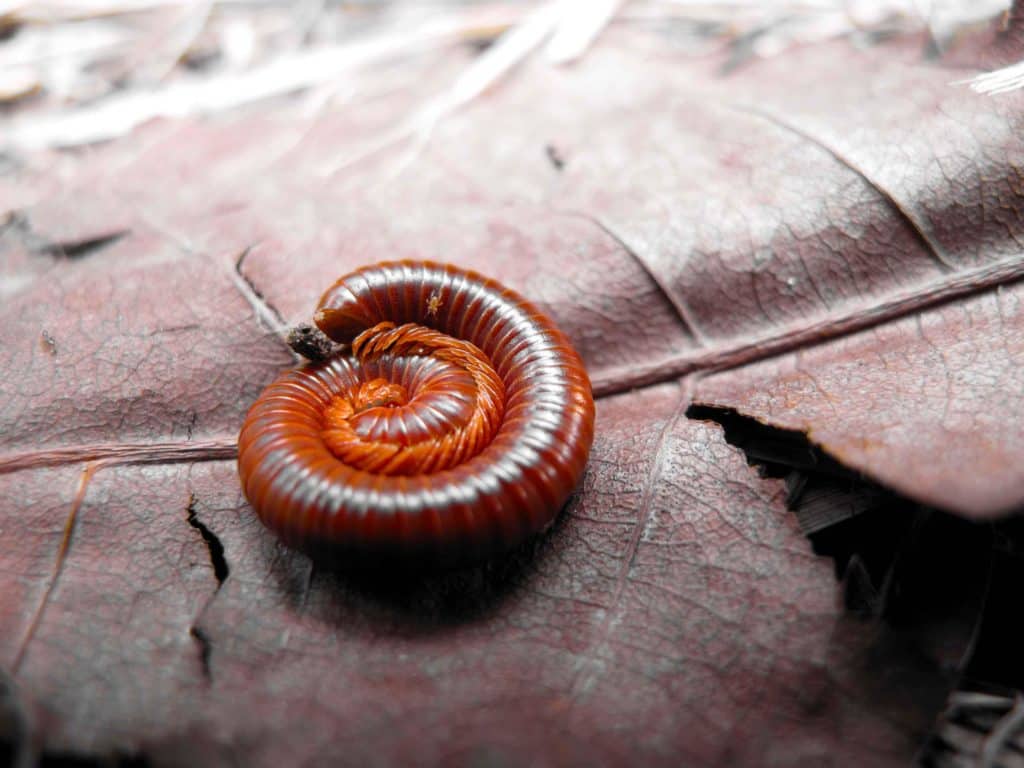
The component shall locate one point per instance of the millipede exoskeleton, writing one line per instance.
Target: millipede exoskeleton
(455, 421)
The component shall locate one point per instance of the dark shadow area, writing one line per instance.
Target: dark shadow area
(15, 728)
(18, 747)
(115, 760)
(418, 594)
(950, 585)
(983, 723)
(15, 753)
(917, 569)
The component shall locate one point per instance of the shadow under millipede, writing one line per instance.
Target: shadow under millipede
(418, 600)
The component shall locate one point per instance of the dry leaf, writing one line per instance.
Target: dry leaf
(820, 225)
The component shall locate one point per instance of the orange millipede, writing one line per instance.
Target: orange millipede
(454, 423)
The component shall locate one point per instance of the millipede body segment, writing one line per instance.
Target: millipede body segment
(453, 424)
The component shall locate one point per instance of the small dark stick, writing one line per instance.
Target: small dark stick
(310, 342)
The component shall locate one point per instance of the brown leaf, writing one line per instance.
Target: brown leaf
(831, 226)
(924, 405)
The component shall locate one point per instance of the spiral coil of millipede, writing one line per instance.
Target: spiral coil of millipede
(455, 422)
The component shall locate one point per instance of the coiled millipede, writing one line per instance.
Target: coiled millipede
(455, 422)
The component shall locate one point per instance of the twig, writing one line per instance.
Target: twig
(581, 23)
(203, 94)
(1000, 81)
(1000, 736)
(511, 49)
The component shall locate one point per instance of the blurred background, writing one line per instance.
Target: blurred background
(81, 71)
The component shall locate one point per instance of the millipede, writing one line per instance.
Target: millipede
(452, 422)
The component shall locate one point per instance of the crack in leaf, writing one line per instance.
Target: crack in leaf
(205, 650)
(76, 249)
(20, 223)
(213, 543)
(221, 571)
(118, 455)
